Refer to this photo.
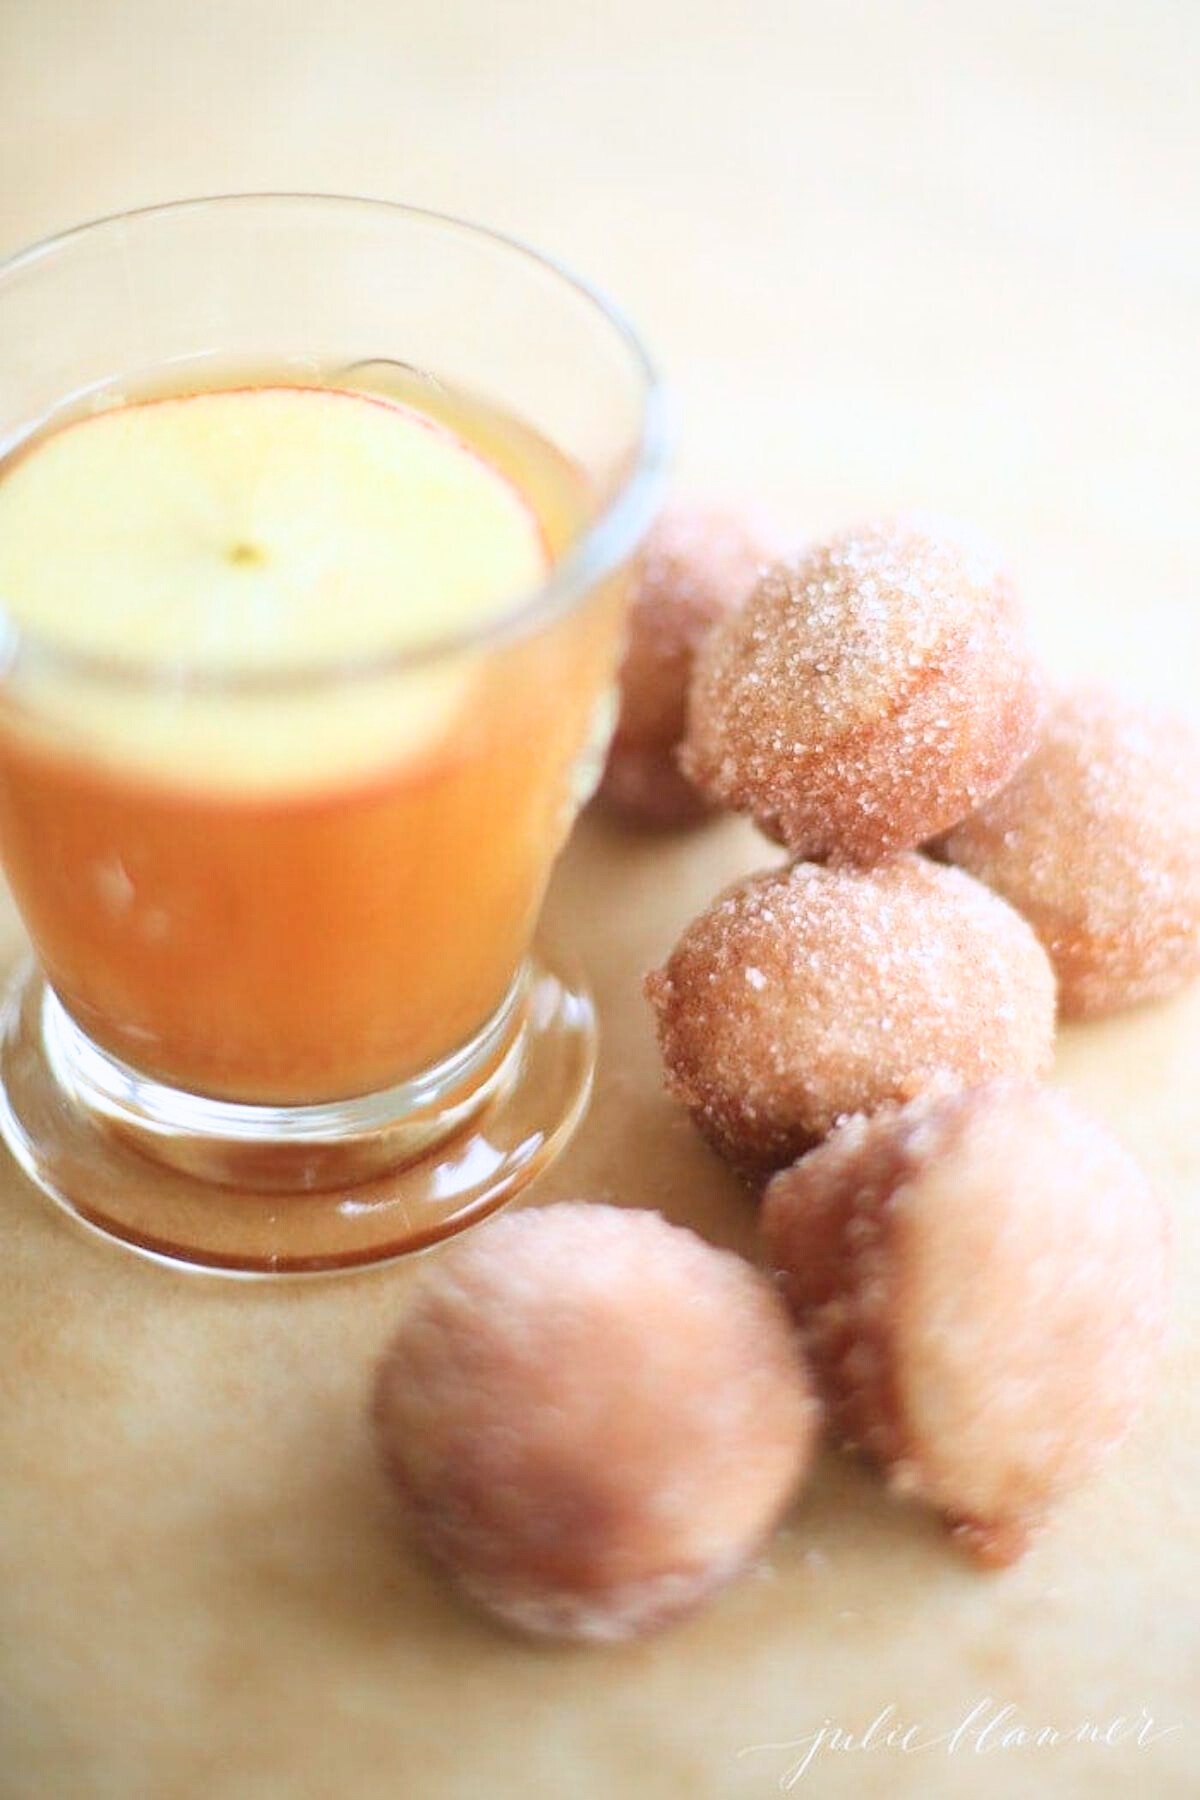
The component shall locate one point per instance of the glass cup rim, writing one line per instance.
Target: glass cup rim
(600, 548)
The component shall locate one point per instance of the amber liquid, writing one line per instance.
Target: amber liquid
(341, 932)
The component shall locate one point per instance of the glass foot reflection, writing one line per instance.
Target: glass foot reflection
(260, 1191)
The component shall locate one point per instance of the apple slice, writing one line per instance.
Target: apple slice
(258, 529)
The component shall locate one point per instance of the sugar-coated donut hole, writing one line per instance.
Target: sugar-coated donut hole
(648, 788)
(869, 693)
(806, 993)
(698, 564)
(981, 1281)
(592, 1417)
(1096, 841)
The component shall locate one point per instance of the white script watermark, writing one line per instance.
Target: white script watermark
(988, 1727)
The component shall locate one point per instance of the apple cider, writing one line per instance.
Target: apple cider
(284, 759)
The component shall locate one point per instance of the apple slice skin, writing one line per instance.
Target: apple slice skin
(300, 931)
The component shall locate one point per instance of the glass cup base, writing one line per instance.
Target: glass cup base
(268, 1191)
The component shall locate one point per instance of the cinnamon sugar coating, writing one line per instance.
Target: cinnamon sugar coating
(698, 565)
(1096, 840)
(868, 695)
(981, 1282)
(810, 992)
(593, 1417)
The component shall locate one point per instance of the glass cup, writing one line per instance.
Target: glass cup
(286, 1013)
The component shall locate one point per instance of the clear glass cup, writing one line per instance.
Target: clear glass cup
(286, 1014)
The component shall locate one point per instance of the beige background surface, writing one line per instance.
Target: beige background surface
(933, 253)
